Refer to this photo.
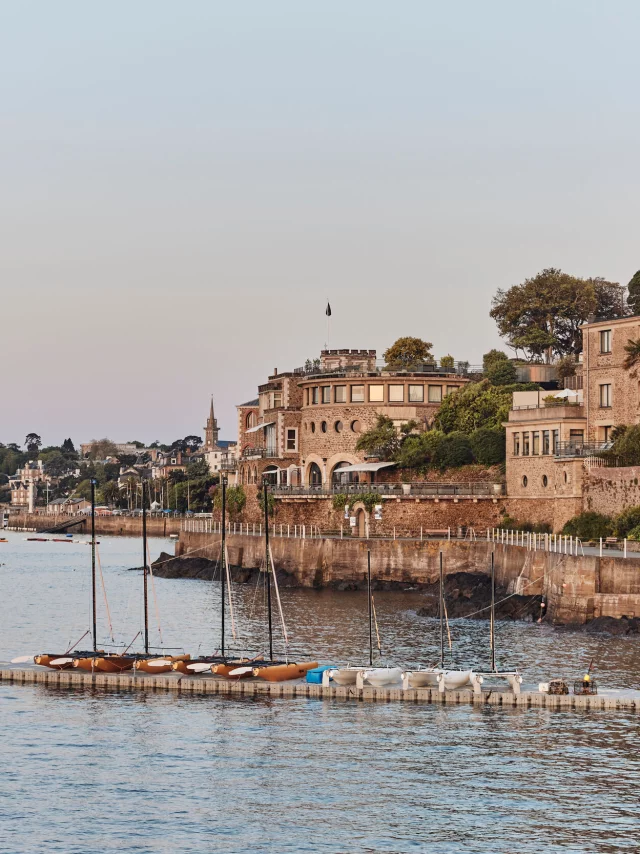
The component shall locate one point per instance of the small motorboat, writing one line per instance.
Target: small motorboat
(380, 676)
(161, 664)
(282, 671)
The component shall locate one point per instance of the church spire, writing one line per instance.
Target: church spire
(211, 430)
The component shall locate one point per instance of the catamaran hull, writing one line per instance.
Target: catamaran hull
(423, 678)
(344, 675)
(456, 679)
(284, 672)
(380, 676)
(64, 661)
(113, 664)
(154, 665)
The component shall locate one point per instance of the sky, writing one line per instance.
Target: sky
(184, 185)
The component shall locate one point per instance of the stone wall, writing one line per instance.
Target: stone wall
(117, 525)
(612, 490)
(577, 588)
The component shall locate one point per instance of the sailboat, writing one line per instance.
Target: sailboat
(431, 676)
(376, 676)
(270, 669)
(65, 660)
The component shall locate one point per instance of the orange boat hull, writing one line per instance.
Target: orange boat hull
(283, 672)
(45, 660)
(113, 664)
(225, 669)
(145, 664)
(83, 663)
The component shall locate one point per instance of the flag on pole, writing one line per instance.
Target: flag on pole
(328, 311)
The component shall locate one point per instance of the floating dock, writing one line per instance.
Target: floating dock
(628, 701)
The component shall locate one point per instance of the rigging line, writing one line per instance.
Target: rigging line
(231, 611)
(104, 593)
(78, 641)
(275, 584)
(511, 595)
(153, 593)
(446, 620)
(375, 620)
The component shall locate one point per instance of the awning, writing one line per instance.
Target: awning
(363, 467)
(259, 427)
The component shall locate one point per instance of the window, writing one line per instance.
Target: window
(451, 389)
(606, 433)
(545, 480)
(338, 426)
(357, 394)
(276, 400)
(250, 420)
(292, 439)
(605, 341)
(536, 443)
(323, 426)
(416, 394)
(396, 394)
(525, 444)
(173, 461)
(376, 393)
(525, 480)
(313, 427)
(556, 441)
(605, 395)
(546, 442)
(435, 393)
(340, 394)
(516, 444)
(315, 392)
(356, 427)
(576, 437)
(326, 394)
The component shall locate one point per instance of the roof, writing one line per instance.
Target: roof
(364, 467)
(255, 402)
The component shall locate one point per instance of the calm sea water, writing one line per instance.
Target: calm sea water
(87, 771)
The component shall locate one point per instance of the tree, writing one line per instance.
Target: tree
(488, 446)
(632, 357)
(633, 298)
(33, 443)
(139, 445)
(381, 441)
(589, 526)
(236, 499)
(544, 315)
(418, 451)
(477, 405)
(491, 358)
(407, 353)
(192, 443)
(55, 463)
(566, 367)
(68, 447)
(447, 362)
(454, 451)
(626, 445)
(198, 469)
(502, 373)
(110, 493)
(271, 502)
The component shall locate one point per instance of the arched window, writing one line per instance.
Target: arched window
(270, 474)
(336, 477)
(315, 475)
(250, 420)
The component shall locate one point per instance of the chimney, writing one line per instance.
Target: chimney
(275, 372)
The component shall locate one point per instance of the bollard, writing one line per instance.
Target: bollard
(288, 530)
(625, 546)
(600, 546)
(449, 533)
(421, 533)
(304, 531)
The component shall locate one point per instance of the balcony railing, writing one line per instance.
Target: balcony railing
(394, 489)
(461, 369)
(581, 449)
(258, 453)
(229, 464)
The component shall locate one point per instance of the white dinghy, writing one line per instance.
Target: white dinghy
(380, 676)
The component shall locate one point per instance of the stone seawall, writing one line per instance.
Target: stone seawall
(577, 589)
(117, 525)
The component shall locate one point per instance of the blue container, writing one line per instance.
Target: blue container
(315, 676)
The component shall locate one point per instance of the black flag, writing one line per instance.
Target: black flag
(328, 311)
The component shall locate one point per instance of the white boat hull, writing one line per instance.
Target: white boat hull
(380, 676)
(457, 679)
(423, 678)
(344, 675)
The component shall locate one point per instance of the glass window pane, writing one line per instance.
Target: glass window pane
(435, 393)
(396, 394)
(326, 394)
(376, 393)
(340, 394)
(416, 393)
(357, 394)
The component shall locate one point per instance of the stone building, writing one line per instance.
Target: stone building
(303, 427)
(554, 441)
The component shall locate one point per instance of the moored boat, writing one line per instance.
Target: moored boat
(160, 664)
(61, 661)
(283, 671)
(380, 676)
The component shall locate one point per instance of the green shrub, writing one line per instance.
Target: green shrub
(492, 358)
(626, 445)
(502, 373)
(626, 521)
(447, 362)
(634, 534)
(369, 499)
(589, 526)
(418, 451)
(488, 446)
(453, 451)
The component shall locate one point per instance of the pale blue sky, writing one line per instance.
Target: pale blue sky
(183, 185)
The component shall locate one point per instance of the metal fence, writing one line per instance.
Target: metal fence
(417, 489)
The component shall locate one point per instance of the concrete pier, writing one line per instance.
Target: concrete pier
(210, 684)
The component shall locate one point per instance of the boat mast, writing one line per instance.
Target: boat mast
(370, 615)
(441, 615)
(493, 614)
(223, 564)
(93, 562)
(144, 574)
(268, 562)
